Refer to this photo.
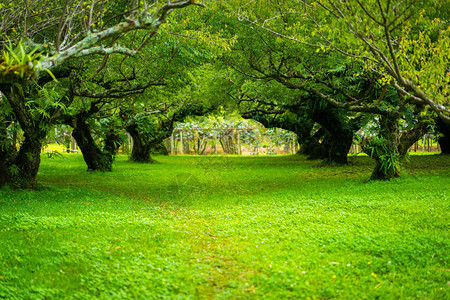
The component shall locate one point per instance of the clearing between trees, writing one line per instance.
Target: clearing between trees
(227, 227)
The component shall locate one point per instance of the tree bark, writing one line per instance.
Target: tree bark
(95, 158)
(315, 146)
(141, 145)
(7, 154)
(444, 139)
(20, 168)
(160, 149)
(4, 174)
(410, 136)
(146, 142)
(341, 131)
(28, 160)
(340, 144)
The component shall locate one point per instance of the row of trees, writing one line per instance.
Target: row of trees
(288, 64)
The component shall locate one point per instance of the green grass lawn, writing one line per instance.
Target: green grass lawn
(227, 227)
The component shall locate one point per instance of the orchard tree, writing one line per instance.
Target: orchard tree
(101, 116)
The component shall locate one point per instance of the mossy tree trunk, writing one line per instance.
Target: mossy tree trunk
(160, 149)
(4, 174)
(340, 143)
(142, 145)
(315, 146)
(332, 142)
(340, 133)
(409, 136)
(19, 168)
(28, 160)
(384, 149)
(383, 170)
(96, 159)
(7, 151)
(150, 129)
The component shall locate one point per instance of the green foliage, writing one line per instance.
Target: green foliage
(148, 125)
(227, 227)
(46, 101)
(18, 61)
(379, 149)
(110, 131)
(19, 54)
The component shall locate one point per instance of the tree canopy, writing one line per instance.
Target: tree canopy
(298, 63)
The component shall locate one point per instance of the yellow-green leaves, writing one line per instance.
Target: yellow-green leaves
(424, 57)
(17, 62)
